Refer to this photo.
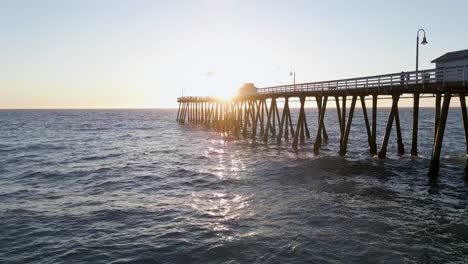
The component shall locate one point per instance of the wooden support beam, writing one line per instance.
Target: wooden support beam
(211, 115)
(186, 112)
(226, 117)
(205, 112)
(196, 113)
(287, 125)
(240, 116)
(318, 138)
(391, 116)
(262, 110)
(200, 119)
(271, 119)
(337, 102)
(256, 105)
(373, 148)
(216, 117)
(401, 148)
(437, 113)
(230, 118)
(268, 123)
(291, 128)
(192, 112)
(414, 140)
(281, 123)
(343, 121)
(344, 145)
(202, 112)
(366, 121)
(465, 124)
(277, 117)
(246, 117)
(299, 122)
(220, 119)
(319, 108)
(306, 126)
(181, 109)
(270, 130)
(178, 112)
(301, 129)
(343, 118)
(189, 117)
(252, 113)
(437, 146)
(181, 119)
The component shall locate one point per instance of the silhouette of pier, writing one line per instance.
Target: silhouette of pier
(257, 114)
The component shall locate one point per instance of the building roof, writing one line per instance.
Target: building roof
(451, 56)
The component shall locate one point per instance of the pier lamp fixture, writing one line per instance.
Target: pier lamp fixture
(292, 72)
(423, 42)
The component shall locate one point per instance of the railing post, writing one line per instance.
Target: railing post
(407, 77)
(464, 74)
(423, 76)
(445, 73)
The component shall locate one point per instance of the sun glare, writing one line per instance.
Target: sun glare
(227, 96)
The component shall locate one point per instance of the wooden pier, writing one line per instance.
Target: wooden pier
(257, 115)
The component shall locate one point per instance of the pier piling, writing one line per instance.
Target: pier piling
(437, 146)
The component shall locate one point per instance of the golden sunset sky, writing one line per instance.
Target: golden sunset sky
(144, 54)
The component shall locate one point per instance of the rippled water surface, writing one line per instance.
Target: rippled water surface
(134, 186)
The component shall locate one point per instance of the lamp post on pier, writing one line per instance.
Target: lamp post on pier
(423, 42)
(292, 72)
(414, 143)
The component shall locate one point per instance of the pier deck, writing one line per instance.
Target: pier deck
(257, 114)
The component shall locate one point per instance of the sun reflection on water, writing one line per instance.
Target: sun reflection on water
(225, 163)
(219, 209)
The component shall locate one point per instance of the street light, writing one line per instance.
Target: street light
(423, 42)
(414, 145)
(292, 72)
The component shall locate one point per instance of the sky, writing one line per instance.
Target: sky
(145, 54)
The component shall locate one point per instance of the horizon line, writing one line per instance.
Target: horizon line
(175, 108)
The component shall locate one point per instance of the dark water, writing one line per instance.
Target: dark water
(128, 186)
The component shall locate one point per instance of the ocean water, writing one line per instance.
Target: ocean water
(134, 186)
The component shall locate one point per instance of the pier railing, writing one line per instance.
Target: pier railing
(404, 79)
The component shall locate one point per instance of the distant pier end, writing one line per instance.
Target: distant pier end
(254, 112)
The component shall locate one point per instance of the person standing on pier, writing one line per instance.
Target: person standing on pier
(402, 78)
